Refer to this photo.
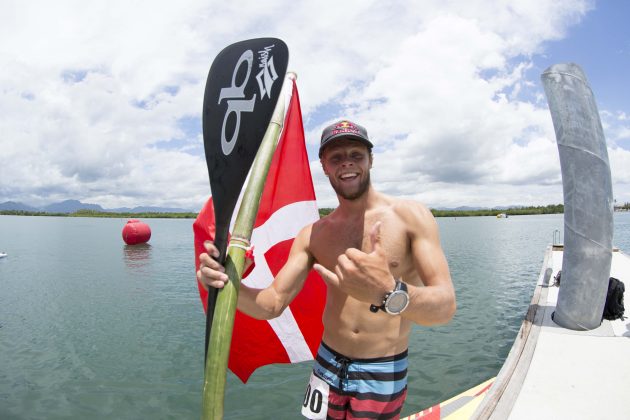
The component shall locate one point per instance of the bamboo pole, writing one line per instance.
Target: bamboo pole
(225, 309)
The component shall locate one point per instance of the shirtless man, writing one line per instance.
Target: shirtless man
(385, 269)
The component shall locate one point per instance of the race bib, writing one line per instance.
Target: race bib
(315, 405)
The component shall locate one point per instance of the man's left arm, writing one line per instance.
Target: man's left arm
(434, 303)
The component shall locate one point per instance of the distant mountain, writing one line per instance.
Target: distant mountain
(71, 206)
(468, 208)
(149, 209)
(462, 208)
(13, 206)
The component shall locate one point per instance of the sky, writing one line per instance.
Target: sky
(101, 101)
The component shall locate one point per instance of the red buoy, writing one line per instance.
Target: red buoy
(136, 232)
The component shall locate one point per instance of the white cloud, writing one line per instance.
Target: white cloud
(437, 121)
(93, 95)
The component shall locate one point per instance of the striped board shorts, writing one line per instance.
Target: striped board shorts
(344, 388)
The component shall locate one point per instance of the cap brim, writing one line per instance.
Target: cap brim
(344, 136)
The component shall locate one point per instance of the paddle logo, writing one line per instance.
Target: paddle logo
(268, 74)
(234, 94)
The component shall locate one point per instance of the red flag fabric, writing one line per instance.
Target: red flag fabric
(287, 205)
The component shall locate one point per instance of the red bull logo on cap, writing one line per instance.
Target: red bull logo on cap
(345, 127)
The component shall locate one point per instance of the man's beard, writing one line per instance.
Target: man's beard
(363, 187)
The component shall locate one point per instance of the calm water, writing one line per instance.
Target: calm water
(90, 328)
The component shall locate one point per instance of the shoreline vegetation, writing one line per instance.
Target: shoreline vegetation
(105, 214)
(515, 211)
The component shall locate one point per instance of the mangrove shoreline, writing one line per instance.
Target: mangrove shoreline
(515, 211)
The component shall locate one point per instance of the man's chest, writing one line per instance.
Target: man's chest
(393, 238)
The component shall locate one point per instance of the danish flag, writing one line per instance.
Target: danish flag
(287, 205)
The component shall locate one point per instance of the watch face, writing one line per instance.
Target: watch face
(397, 302)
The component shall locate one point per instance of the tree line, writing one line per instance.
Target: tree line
(106, 214)
(549, 209)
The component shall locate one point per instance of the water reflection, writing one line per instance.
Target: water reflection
(137, 257)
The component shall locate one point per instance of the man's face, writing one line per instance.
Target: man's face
(347, 165)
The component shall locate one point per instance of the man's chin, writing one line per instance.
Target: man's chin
(353, 196)
(350, 195)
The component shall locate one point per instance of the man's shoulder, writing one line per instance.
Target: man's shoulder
(407, 208)
(323, 223)
(317, 226)
(413, 214)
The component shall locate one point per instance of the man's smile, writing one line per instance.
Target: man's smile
(348, 176)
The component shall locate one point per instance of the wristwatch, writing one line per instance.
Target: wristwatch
(395, 301)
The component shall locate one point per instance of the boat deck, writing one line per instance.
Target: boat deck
(556, 373)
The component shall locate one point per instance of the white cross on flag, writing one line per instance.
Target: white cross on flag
(287, 205)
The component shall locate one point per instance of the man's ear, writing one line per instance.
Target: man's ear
(323, 167)
(371, 159)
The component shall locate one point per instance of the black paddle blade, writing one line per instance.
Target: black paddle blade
(242, 90)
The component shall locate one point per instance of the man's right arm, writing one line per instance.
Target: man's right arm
(265, 303)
